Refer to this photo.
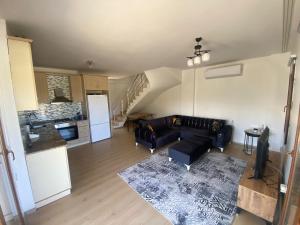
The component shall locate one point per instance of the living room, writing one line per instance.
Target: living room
(113, 114)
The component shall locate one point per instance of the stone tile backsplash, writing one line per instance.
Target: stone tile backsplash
(54, 111)
(56, 81)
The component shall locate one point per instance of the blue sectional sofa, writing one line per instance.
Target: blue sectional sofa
(158, 132)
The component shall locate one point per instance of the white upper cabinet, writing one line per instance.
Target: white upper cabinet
(22, 73)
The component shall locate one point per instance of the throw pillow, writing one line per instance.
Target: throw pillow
(178, 122)
(173, 120)
(150, 128)
(215, 128)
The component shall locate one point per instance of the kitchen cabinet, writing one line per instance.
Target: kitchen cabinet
(95, 83)
(41, 87)
(76, 88)
(49, 175)
(22, 74)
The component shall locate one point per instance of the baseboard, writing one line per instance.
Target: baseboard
(78, 144)
(52, 198)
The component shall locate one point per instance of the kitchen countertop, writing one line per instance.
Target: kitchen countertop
(49, 138)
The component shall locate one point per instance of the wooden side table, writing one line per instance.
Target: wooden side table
(250, 134)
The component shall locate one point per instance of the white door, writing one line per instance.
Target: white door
(98, 109)
(5, 195)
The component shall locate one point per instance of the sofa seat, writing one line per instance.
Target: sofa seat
(166, 136)
(188, 132)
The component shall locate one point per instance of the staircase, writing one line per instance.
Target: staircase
(143, 90)
(140, 82)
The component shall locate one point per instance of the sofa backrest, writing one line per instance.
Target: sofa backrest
(186, 121)
(159, 123)
(201, 123)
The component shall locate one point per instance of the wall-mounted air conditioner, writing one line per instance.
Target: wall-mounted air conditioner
(224, 71)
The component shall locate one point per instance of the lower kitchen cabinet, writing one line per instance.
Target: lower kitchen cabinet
(49, 175)
(83, 134)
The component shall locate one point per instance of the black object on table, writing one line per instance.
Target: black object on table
(250, 134)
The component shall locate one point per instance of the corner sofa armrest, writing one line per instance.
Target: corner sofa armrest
(145, 133)
(223, 137)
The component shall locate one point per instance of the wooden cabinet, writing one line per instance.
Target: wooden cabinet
(49, 175)
(76, 88)
(22, 74)
(95, 83)
(259, 197)
(41, 87)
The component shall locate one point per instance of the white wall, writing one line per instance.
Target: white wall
(160, 80)
(9, 119)
(117, 90)
(253, 99)
(169, 99)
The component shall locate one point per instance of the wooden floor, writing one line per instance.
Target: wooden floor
(100, 197)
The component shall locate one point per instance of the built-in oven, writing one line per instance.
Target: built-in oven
(67, 130)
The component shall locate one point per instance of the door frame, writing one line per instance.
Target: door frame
(2, 220)
(293, 154)
(288, 106)
(6, 162)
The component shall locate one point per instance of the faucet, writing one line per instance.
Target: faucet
(29, 118)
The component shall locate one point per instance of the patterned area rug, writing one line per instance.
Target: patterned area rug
(205, 195)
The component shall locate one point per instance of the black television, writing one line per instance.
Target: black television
(262, 154)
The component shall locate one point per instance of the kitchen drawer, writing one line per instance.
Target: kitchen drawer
(83, 131)
(82, 123)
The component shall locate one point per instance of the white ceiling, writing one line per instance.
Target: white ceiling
(131, 36)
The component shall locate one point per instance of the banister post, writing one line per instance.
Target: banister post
(122, 107)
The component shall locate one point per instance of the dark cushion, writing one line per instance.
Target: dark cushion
(188, 132)
(183, 152)
(158, 124)
(200, 141)
(166, 136)
(165, 131)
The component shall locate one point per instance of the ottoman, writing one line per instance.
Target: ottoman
(189, 150)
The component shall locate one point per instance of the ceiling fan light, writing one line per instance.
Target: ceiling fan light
(190, 62)
(197, 60)
(205, 57)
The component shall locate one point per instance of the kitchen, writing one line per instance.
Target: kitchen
(58, 110)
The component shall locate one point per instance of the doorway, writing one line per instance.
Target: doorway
(10, 211)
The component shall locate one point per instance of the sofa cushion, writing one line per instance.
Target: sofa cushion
(165, 131)
(188, 132)
(167, 136)
(183, 152)
(158, 124)
(202, 141)
(215, 127)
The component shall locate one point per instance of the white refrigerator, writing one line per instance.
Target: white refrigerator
(99, 117)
